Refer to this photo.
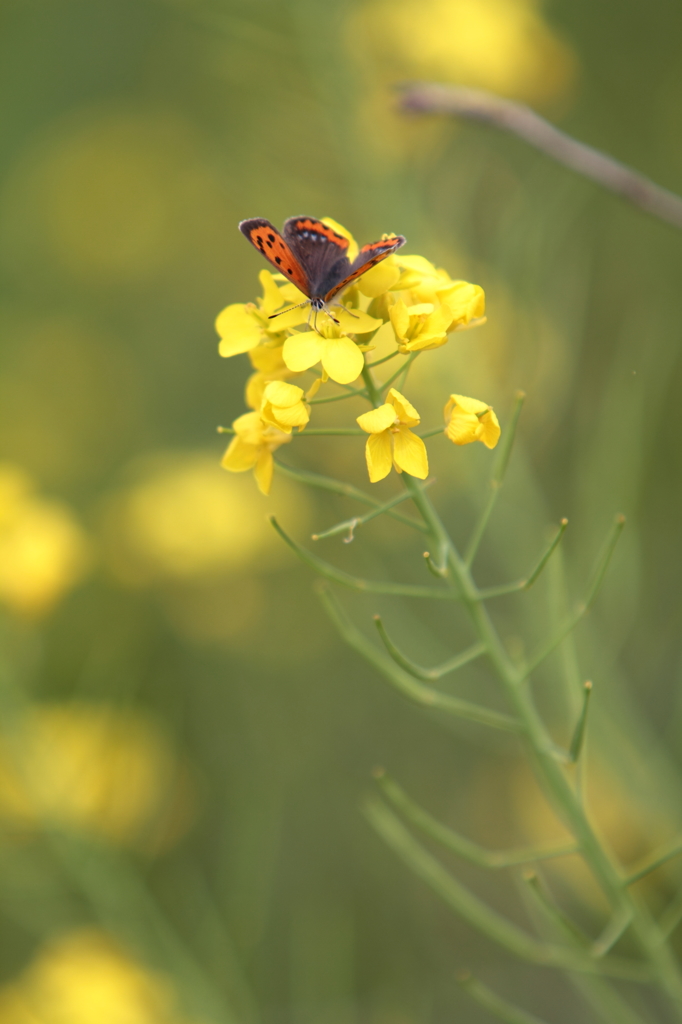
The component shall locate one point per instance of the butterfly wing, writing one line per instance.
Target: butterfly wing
(265, 237)
(369, 256)
(320, 250)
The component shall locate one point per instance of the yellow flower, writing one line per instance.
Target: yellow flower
(421, 326)
(84, 977)
(269, 365)
(469, 420)
(243, 326)
(252, 448)
(438, 304)
(96, 769)
(391, 423)
(341, 358)
(43, 551)
(283, 406)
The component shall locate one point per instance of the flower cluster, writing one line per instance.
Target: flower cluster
(420, 305)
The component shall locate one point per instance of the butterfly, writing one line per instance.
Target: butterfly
(313, 257)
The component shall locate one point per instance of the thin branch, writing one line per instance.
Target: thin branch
(613, 931)
(520, 120)
(336, 398)
(403, 369)
(427, 674)
(579, 733)
(483, 917)
(417, 692)
(674, 850)
(451, 840)
(500, 1008)
(331, 572)
(352, 524)
(513, 588)
(582, 608)
(327, 483)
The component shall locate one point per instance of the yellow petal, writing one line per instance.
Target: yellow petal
(421, 342)
(407, 413)
(421, 309)
(409, 453)
(281, 394)
(400, 318)
(289, 292)
(267, 358)
(356, 322)
(263, 471)
(463, 427)
(239, 456)
(302, 350)
(352, 250)
(285, 418)
(342, 360)
(272, 297)
(378, 455)
(313, 389)
(377, 420)
(466, 301)
(379, 279)
(417, 263)
(249, 427)
(239, 330)
(291, 317)
(255, 387)
(467, 404)
(490, 434)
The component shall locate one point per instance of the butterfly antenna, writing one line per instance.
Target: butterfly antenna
(288, 309)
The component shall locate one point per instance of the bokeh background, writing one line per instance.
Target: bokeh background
(184, 740)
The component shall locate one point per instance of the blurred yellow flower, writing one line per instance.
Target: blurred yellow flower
(283, 406)
(469, 420)
(502, 45)
(95, 768)
(252, 448)
(43, 550)
(391, 442)
(341, 358)
(83, 977)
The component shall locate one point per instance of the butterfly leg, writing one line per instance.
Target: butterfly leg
(346, 310)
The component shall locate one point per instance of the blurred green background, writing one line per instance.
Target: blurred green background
(185, 741)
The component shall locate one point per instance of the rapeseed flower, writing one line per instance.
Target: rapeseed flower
(85, 977)
(391, 442)
(44, 552)
(341, 358)
(244, 325)
(469, 420)
(252, 448)
(268, 363)
(283, 406)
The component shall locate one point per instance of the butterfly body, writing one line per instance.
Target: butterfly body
(313, 256)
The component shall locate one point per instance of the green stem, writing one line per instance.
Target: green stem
(500, 1008)
(429, 675)
(328, 483)
(336, 398)
(451, 840)
(551, 774)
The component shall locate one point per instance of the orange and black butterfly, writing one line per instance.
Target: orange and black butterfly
(313, 256)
